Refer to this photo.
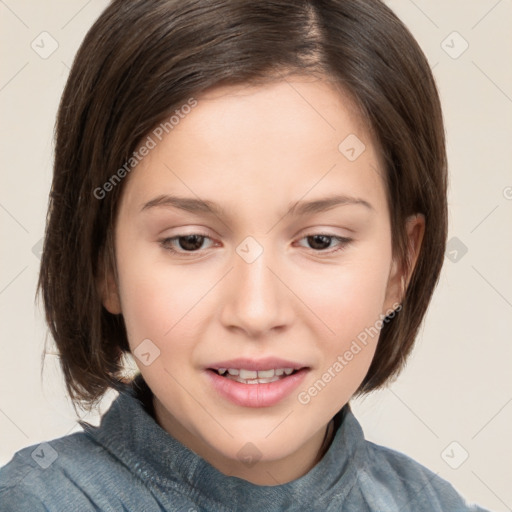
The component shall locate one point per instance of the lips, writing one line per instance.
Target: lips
(256, 383)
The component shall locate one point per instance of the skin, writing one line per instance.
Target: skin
(254, 151)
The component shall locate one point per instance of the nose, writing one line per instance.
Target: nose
(255, 299)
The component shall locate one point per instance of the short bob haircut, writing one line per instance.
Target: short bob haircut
(143, 59)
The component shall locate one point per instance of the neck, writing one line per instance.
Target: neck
(264, 472)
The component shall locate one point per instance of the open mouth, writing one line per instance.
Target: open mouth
(250, 383)
(255, 376)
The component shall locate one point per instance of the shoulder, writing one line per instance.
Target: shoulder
(55, 474)
(390, 474)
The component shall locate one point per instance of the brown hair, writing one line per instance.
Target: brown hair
(142, 59)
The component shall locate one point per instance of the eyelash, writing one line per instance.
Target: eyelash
(343, 241)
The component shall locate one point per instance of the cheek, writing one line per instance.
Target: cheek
(349, 305)
(158, 299)
(349, 297)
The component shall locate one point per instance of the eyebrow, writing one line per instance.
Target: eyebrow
(299, 208)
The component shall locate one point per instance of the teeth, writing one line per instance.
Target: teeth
(248, 374)
(253, 376)
(266, 374)
(257, 381)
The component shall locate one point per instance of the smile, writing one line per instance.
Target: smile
(263, 384)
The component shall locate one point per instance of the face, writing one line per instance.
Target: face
(255, 237)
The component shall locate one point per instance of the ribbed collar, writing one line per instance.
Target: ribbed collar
(129, 432)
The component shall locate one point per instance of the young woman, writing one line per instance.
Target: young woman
(250, 198)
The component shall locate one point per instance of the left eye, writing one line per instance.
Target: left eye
(321, 242)
(194, 242)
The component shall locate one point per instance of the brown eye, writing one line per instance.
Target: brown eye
(191, 242)
(325, 243)
(319, 242)
(183, 244)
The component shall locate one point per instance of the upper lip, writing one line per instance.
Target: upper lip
(266, 363)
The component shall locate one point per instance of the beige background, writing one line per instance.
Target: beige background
(457, 386)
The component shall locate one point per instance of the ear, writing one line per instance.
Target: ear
(107, 287)
(400, 274)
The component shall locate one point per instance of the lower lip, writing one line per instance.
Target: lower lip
(256, 395)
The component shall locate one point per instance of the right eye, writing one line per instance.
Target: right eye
(183, 244)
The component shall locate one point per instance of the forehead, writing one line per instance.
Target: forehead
(296, 109)
(253, 144)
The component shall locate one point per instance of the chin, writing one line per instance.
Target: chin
(265, 443)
